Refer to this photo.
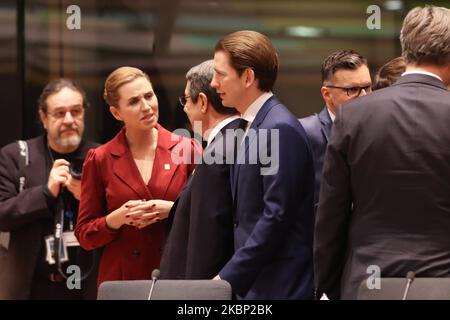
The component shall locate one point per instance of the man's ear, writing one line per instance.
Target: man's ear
(249, 77)
(326, 95)
(43, 117)
(115, 112)
(204, 102)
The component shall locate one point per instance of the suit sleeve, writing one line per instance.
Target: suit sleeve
(19, 209)
(331, 227)
(283, 189)
(91, 229)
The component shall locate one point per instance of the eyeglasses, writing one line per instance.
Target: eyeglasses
(353, 91)
(76, 113)
(183, 100)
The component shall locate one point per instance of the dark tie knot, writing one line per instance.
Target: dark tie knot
(242, 123)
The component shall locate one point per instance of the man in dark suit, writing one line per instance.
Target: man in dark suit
(34, 183)
(384, 200)
(200, 241)
(273, 198)
(345, 76)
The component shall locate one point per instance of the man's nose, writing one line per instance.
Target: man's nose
(68, 118)
(214, 82)
(365, 91)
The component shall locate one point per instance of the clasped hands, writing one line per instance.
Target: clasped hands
(139, 213)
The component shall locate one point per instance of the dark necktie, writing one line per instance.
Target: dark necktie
(242, 123)
(240, 134)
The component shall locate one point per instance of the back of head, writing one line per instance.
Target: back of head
(425, 36)
(251, 49)
(389, 73)
(200, 78)
(341, 60)
(118, 78)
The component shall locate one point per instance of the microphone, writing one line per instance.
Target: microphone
(410, 278)
(155, 276)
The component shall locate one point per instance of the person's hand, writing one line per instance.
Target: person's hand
(144, 214)
(217, 278)
(74, 186)
(150, 212)
(161, 206)
(121, 216)
(59, 175)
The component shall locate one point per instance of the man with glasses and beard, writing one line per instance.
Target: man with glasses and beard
(40, 188)
(345, 76)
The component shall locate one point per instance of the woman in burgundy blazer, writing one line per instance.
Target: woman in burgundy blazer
(129, 183)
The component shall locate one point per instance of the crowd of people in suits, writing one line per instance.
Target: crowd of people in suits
(364, 182)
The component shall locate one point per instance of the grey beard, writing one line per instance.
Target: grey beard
(72, 141)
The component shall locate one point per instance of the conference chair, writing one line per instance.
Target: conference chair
(398, 289)
(165, 290)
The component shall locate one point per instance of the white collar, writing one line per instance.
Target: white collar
(421, 72)
(332, 116)
(212, 133)
(252, 111)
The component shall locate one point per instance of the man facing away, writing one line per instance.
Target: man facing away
(272, 199)
(384, 201)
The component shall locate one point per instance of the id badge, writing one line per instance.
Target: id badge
(50, 249)
(70, 240)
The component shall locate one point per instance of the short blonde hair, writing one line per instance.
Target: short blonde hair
(425, 36)
(118, 78)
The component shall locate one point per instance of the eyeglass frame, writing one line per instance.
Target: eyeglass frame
(367, 88)
(64, 113)
(183, 98)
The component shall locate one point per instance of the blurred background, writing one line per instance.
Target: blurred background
(167, 37)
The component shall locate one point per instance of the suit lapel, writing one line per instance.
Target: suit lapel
(224, 147)
(242, 153)
(124, 166)
(326, 123)
(38, 154)
(164, 168)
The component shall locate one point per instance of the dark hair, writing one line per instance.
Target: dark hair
(251, 49)
(425, 36)
(200, 78)
(341, 60)
(389, 73)
(56, 86)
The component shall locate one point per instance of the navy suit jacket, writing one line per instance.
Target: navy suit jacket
(318, 130)
(273, 218)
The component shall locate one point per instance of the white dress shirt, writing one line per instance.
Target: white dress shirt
(421, 72)
(211, 134)
(252, 111)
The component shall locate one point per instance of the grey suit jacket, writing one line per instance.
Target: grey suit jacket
(384, 198)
